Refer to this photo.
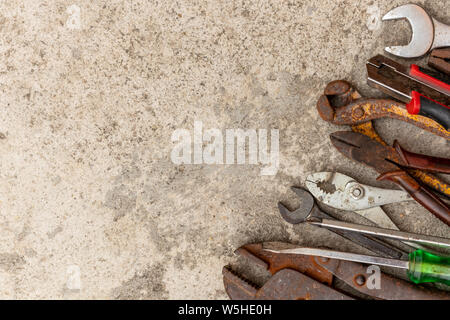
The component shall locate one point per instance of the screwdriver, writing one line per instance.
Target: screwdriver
(421, 267)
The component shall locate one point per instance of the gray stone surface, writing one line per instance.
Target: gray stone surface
(92, 205)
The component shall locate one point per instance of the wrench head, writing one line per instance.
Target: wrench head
(422, 31)
(301, 214)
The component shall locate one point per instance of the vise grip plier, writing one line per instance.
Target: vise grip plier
(305, 277)
(342, 192)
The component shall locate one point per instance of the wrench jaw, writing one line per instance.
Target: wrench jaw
(293, 277)
(422, 31)
(303, 212)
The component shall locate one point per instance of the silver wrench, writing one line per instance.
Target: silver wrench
(427, 32)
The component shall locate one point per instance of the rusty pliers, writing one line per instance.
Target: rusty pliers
(304, 277)
(341, 104)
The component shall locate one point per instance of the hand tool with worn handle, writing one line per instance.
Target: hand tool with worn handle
(322, 271)
(370, 243)
(423, 92)
(421, 266)
(440, 60)
(427, 32)
(388, 162)
(308, 212)
(341, 104)
(325, 271)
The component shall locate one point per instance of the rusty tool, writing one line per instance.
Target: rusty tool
(440, 60)
(420, 267)
(308, 212)
(370, 243)
(341, 104)
(324, 271)
(422, 90)
(388, 162)
(342, 192)
(427, 32)
(286, 284)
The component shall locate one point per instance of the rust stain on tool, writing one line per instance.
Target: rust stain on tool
(342, 105)
(286, 284)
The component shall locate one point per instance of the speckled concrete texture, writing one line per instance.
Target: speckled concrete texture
(92, 205)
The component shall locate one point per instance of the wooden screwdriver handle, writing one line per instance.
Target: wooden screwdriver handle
(427, 199)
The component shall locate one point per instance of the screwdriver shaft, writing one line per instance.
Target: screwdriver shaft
(383, 233)
(346, 256)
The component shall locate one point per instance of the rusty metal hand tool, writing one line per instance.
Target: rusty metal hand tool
(308, 212)
(325, 271)
(427, 32)
(345, 193)
(420, 267)
(424, 93)
(388, 162)
(342, 192)
(286, 284)
(440, 60)
(370, 243)
(341, 104)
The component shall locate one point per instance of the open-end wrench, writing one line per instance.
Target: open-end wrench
(427, 32)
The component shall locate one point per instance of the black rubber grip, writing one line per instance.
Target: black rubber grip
(435, 111)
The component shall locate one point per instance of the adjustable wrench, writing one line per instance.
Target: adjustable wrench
(427, 32)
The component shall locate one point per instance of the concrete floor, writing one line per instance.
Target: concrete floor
(92, 205)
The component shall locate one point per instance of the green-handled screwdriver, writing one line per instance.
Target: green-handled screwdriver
(421, 267)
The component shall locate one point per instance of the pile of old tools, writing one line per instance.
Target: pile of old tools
(318, 273)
